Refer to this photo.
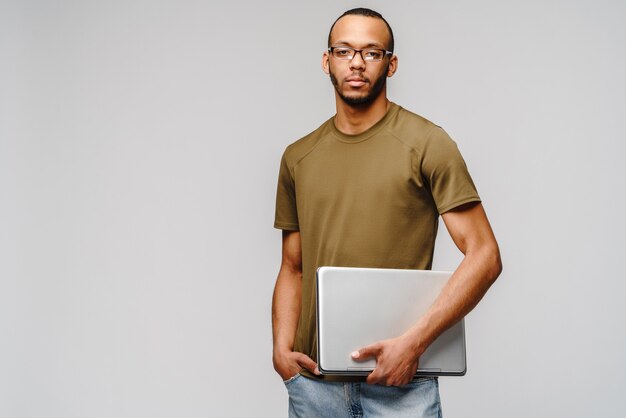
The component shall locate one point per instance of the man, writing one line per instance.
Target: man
(366, 189)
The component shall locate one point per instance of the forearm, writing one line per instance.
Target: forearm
(286, 308)
(465, 288)
(286, 305)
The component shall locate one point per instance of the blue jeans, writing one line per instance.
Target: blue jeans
(309, 398)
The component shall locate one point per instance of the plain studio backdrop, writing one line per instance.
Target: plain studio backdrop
(139, 152)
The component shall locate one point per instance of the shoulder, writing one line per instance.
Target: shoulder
(415, 131)
(299, 149)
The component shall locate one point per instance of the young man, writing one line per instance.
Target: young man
(366, 189)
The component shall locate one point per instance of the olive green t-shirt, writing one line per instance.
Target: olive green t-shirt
(368, 200)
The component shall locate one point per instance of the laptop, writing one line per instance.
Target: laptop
(359, 306)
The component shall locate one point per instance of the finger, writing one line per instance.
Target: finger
(375, 377)
(306, 362)
(405, 381)
(366, 352)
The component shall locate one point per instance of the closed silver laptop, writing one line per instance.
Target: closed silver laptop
(359, 306)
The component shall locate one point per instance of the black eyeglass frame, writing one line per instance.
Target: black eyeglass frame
(360, 51)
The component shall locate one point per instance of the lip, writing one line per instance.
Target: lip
(355, 81)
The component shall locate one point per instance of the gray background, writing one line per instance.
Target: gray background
(139, 150)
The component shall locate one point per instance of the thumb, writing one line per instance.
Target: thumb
(366, 352)
(306, 362)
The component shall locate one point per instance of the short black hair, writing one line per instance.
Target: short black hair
(362, 11)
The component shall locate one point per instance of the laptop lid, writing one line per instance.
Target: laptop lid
(359, 306)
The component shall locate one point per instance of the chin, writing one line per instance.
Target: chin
(366, 97)
(358, 101)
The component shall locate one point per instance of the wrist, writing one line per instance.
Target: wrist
(281, 351)
(416, 341)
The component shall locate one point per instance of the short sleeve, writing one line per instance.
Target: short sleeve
(286, 210)
(445, 172)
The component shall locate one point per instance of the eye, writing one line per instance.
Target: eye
(374, 54)
(342, 52)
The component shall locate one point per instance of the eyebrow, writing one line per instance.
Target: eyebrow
(369, 45)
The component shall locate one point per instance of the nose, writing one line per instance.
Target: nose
(357, 61)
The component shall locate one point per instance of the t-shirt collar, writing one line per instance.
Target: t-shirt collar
(393, 109)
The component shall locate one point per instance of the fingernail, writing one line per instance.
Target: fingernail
(355, 354)
(317, 371)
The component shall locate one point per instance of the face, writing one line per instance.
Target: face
(358, 82)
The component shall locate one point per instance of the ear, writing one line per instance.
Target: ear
(393, 66)
(325, 62)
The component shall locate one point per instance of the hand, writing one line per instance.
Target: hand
(289, 363)
(396, 362)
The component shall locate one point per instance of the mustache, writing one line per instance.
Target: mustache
(357, 76)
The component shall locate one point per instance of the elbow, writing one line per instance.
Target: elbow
(495, 263)
(488, 257)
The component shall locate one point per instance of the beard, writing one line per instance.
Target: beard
(369, 97)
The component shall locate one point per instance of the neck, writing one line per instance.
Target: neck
(352, 120)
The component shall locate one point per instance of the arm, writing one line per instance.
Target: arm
(286, 310)
(397, 358)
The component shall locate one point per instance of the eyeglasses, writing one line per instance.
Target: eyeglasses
(369, 54)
